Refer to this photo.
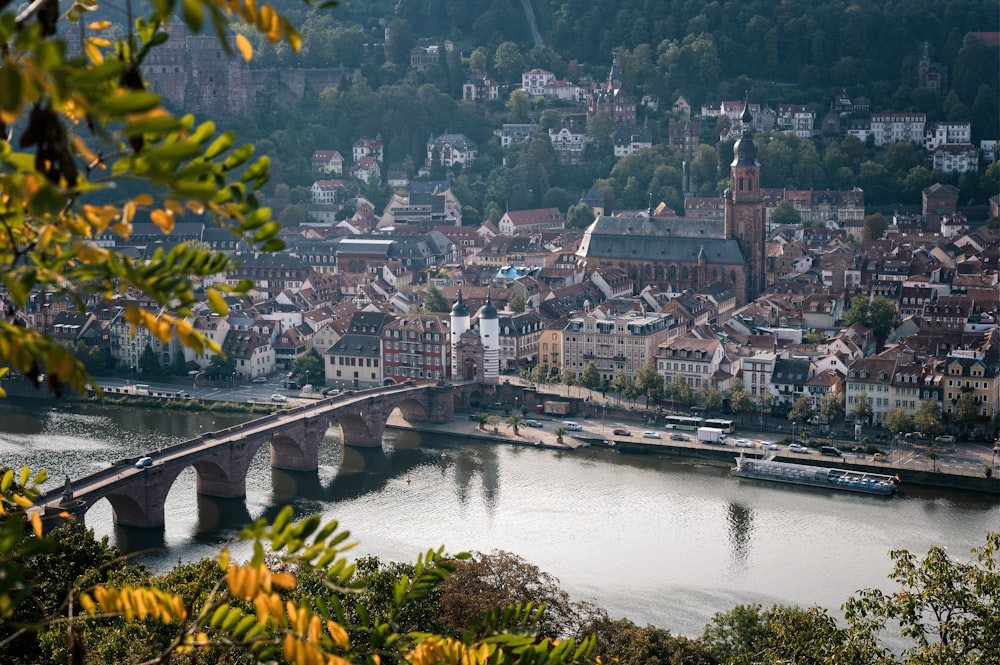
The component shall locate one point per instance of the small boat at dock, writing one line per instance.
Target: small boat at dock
(815, 476)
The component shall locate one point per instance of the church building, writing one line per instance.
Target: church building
(679, 253)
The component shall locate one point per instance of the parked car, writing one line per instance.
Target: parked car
(278, 398)
(621, 431)
(767, 445)
(651, 435)
(797, 448)
(677, 436)
(259, 379)
(144, 463)
(945, 438)
(532, 423)
(879, 457)
(743, 443)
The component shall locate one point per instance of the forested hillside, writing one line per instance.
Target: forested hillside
(790, 52)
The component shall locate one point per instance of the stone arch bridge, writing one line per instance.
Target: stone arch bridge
(221, 459)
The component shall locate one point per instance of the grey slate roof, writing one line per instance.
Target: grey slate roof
(716, 251)
(357, 345)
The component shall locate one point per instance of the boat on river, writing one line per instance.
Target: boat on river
(815, 476)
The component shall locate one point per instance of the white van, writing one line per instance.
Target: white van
(572, 425)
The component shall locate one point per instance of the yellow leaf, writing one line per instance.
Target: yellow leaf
(174, 206)
(87, 603)
(98, 25)
(164, 219)
(94, 53)
(243, 44)
(338, 634)
(85, 152)
(197, 207)
(143, 200)
(284, 580)
(36, 524)
(22, 501)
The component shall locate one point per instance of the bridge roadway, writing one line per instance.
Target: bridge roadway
(221, 459)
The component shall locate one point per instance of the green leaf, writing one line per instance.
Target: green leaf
(8, 478)
(193, 14)
(130, 102)
(158, 125)
(219, 306)
(218, 615)
(10, 87)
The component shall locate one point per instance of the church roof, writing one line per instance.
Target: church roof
(676, 239)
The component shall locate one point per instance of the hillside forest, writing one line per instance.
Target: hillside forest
(773, 53)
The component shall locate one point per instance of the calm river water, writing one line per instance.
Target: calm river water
(658, 542)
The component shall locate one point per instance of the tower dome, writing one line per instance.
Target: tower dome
(745, 151)
(488, 311)
(460, 308)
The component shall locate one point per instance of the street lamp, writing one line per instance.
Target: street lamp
(604, 435)
(793, 431)
(196, 375)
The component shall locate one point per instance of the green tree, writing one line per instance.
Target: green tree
(539, 373)
(149, 363)
(600, 128)
(220, 368)
(802, 409)
(508, 62)
(560, 432)
(623, 384)
(710, 396)
(621, 641)
(943, 605)
(879, 314)
(928, 417)
(897, 420)
(831, 405)
(308, 368)
(517, 303)
(590, 378)
(646, 381)
(579, 216)
(874, 226)
(862, 411)
(568, 377)
(482, 418)
(518, 105)
(434, 300)
(966, 411)
(764, 400)
(679, 391)
(484, 582)
(515, 421)
(740, 399)
(785, 213)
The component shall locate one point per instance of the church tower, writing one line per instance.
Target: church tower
(745, 213)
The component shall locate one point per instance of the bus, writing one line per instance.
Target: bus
(683, 422)
(726, 426)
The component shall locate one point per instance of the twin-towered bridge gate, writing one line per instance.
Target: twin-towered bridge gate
(221, 459)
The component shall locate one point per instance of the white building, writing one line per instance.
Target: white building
(889, 128)
(534, 81)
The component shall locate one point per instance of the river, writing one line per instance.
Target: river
(657, 541)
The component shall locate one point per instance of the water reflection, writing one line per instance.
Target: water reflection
(740, 520)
